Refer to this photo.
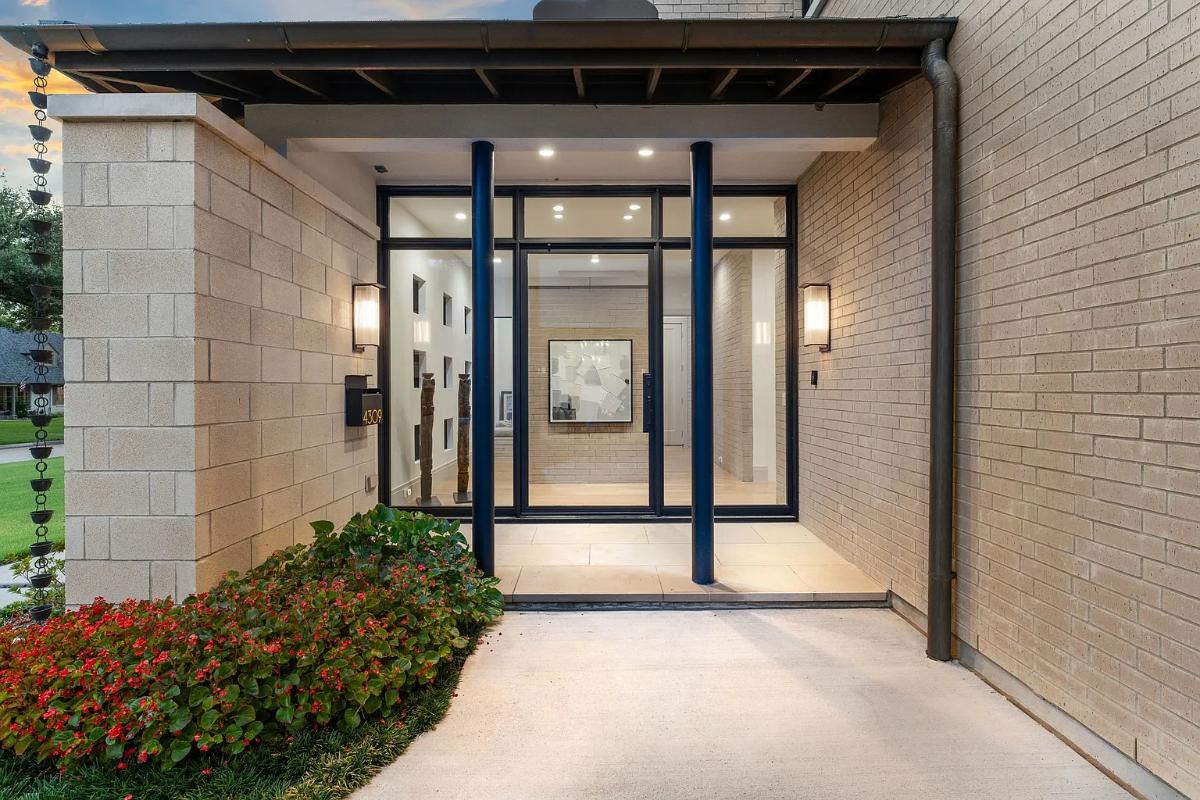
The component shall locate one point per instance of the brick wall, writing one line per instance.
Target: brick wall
(206, 314)
(733, 386)
(671, 9)
(1078, 431)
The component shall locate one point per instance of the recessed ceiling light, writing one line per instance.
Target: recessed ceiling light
(725, 217)
(460, 215)
(634, 207)
(595, 259)
(558, 216)
(546, 152)
(629, 216)
(645, 152)
(558, 207)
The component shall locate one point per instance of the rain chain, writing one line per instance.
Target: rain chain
(42, 356)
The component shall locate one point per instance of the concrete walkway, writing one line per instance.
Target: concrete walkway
(12, 454)
(804, 704)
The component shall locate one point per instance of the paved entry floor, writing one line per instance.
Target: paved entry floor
(803, 704)
(779, 562)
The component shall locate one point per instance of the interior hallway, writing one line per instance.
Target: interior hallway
(802, 704)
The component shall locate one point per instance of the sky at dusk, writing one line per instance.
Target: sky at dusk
(16, 79)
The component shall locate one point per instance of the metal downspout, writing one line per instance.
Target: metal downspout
(944, 251)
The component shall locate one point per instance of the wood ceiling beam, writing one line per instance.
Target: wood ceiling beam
(278, 73)
(487, 82)
(378, 84)
(652, 82)
(793, 83)
(722, 84)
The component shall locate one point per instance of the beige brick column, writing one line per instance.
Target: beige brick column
(207, 322)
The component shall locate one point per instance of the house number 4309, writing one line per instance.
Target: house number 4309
(372, 416)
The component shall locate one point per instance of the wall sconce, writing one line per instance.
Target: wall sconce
(365, 330)
(816, 316)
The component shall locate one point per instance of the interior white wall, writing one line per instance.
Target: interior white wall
(502, 345)
(762, 305)
(444, 273)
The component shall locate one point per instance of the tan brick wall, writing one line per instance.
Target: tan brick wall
(207, 314)
(1078, 492)
(733, 387)
(585, 452)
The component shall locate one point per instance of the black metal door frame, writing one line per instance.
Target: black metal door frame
(654, 247)
(654, 356)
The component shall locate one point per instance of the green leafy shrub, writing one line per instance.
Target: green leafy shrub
(328, 634)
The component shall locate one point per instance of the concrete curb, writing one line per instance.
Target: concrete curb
(4, 447)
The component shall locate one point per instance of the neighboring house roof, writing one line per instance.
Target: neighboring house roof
(15, 364)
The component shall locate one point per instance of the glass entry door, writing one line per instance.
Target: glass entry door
(589, 401)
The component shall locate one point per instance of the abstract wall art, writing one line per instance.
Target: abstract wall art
(591, 380)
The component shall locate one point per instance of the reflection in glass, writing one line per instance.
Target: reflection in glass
(420, 347)
(732, 216)
(587, 217)
(442, 217)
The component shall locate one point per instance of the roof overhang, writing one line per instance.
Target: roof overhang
(477, 61)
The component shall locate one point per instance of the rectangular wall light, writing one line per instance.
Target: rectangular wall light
(365, 330)
(816, 316)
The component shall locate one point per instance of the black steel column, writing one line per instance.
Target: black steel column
(483, 504)
(702, 363)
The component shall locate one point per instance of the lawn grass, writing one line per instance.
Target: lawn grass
(20, 431)
(16, 501)
(320, 765)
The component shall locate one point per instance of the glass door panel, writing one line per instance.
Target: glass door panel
(588, 348)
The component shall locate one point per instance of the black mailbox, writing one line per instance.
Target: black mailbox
(363, 406)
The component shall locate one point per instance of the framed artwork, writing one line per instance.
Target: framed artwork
(506, 406)
(591, 380)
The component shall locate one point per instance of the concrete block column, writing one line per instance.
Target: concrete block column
(207, 321)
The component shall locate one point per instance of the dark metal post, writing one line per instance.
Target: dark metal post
(944, 249)
(702, 363)
(483, 504)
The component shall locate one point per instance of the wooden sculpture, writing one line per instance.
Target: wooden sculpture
(464, 439)
(427, 387)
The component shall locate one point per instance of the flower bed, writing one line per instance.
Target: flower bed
(330, 634)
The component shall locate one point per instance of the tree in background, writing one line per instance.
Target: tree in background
(17, 273)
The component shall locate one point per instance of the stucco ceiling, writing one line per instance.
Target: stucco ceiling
(670, 164)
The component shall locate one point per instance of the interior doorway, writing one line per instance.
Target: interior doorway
(677, 381)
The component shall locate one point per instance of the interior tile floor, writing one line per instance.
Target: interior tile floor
(770, 704)
(677, 487)
(649, 563)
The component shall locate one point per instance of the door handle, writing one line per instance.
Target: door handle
(647, 402)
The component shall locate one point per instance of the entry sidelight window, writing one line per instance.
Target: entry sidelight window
(439, 412)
